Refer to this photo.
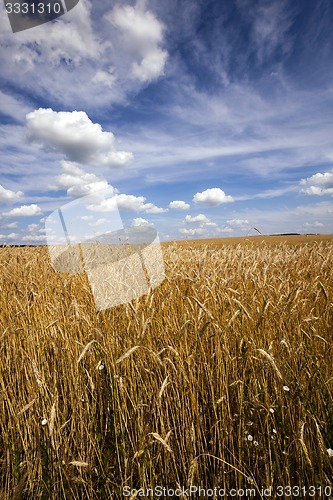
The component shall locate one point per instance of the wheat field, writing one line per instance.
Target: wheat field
(220, 377)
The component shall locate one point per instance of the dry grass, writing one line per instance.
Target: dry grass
(166, 389)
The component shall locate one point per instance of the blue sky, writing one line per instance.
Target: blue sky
(203, 118)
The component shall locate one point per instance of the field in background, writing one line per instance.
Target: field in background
(221, 377)
(294, 239)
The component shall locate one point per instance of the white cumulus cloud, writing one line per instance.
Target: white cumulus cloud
(192, 231)
(8, 195)
(76, 136)
(34, 237)
(23, 211)
(212, 197)
(179, 205)
(139, 222)
(126, 202)
(98, 222)
(80, 183)
(130, 202)
(11, 225)
(189, 219)
(12, 236)
(318, 184)
(203, 225)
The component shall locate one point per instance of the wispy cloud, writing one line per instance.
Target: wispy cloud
(270, 29)
(241, 223)
(190, 97)
(95, 53)
(142, 35)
